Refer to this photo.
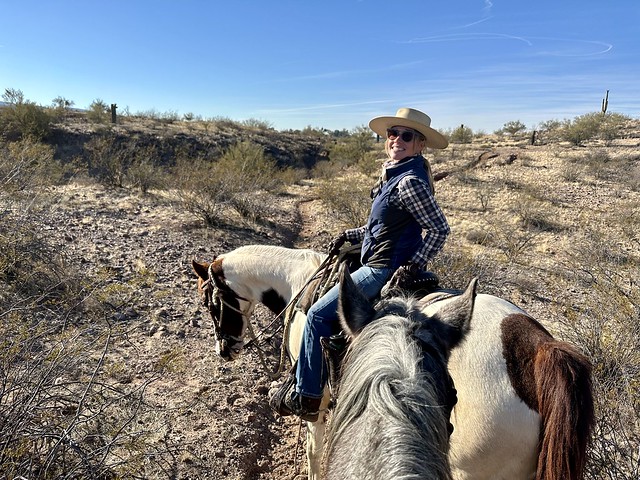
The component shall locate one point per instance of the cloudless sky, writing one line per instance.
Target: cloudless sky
(328, 63)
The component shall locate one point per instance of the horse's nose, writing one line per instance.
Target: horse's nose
(224, 351)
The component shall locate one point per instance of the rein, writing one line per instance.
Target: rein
(285, 337)
(211, 293)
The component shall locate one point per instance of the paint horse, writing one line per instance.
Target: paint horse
(391, 418)
(525, 405)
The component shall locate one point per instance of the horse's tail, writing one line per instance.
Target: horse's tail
(565, 403)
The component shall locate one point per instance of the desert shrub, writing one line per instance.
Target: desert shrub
(22, 118)
(346, 151)
(513, 127)
(145, 173)
(29, 266)
(257, 124)
(549, 130)
(109, 160)
(484, 196)
(62, 104)
(533, 214)
(371, 164)
(598, 162)
(456, 267)
(325, 170)
(606, 127)
(98, 111)
(477, 236)
(347, 199)
(511, 239)
(633, 179)
(27, 164)
(611, 126)
(462, 134)
(61, 415)
(238, 181)
(606, 325)
(571, 172)
(200, 191)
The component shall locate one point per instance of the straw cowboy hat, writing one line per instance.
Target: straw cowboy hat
(410, 118)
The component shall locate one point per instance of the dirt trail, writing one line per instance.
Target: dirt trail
(212, 415)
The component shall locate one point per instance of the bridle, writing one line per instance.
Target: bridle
(214, 300)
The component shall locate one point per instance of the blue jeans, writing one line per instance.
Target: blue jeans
(311, 373)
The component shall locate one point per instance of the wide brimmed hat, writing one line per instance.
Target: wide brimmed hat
(410, 118)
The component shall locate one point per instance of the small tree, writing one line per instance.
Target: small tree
(23, 118)
(581, 128)
(462, 134)
(61, 103)
(98, 111)
(13, 96)
(353, 148)
(513, 127)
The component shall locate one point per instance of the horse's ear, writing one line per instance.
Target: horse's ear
(201, 269)
(458, 312)
(354, 309)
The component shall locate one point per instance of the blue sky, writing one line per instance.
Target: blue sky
(328, 63)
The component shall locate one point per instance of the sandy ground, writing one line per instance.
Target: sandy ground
(213, 414)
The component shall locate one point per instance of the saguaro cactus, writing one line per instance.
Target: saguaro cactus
(113, 112)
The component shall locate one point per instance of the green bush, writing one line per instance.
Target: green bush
(582, 128)
(25, 120)
(27, 164)
(348, 200)
(345, 151)
(108, 162)
(612, 126)
(239, 181)
(462, 134)
(513, 127)
(98, 112)
(145, 173)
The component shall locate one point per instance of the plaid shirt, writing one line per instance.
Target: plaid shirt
(414, 195)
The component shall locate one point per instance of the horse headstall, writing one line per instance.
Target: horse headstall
(219, 298)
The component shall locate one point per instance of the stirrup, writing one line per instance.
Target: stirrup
(277, 399)
(334, 349)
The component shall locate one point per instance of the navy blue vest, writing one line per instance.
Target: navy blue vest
(393, 235)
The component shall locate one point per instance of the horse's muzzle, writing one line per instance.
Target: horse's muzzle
(228, 349)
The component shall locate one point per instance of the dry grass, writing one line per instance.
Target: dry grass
(552, 228)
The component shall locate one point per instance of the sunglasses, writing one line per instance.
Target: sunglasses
(406, 135)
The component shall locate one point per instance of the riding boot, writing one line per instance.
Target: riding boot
(307, 408)
(285, 401)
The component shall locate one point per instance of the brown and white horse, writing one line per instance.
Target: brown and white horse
(525, 406)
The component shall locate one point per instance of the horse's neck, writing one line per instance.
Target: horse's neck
(283, 270)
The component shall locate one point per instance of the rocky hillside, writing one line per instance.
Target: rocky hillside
(188, 139)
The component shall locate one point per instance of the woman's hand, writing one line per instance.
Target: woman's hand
(404, 276)
(336, 243)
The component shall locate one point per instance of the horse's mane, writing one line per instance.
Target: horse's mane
(385, 405)
(278, 253)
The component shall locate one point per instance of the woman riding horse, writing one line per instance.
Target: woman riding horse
(406, 229)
